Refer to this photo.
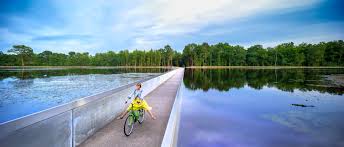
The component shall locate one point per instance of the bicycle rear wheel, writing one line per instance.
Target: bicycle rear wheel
(141, 116)
(128, 125)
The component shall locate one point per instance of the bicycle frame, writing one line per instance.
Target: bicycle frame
(134, 114)
(133, 117)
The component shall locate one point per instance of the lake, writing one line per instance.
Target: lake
(261, 107)
(26, 91)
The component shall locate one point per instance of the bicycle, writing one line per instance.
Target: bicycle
(133, 117)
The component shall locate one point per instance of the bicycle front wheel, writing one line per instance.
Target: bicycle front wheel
(141, 116)
(128, 125)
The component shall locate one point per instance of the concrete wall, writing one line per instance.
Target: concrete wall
(71, 124)
(171, 133)
(53, 132)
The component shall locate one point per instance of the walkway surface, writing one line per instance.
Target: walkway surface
(148, 134)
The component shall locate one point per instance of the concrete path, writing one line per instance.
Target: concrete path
(148, 134)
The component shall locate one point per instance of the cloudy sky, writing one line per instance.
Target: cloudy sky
(102, 25)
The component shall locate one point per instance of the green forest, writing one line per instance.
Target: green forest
(221, 54)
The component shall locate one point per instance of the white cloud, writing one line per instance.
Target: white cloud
(73, 18)
(142, 43)
(10, 37)
(309, 34)
(141, 24)
(298, 40)
(178, 17)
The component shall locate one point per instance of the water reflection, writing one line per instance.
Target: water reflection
(246, 107)
(283, 79)
(30, 73)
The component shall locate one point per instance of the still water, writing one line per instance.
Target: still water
(253, 108)
(23, 92)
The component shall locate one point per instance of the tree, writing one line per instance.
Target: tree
(168, 55)
(228, 51)
(334, 52)
(217, 54)
(239, 56)
(272, 56)
(189, 55)
(257, 55)
(315, 54)
(23, 52)
(177, 59)
(44, 57)
(204, 54)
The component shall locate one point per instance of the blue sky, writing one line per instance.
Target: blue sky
(103, 25)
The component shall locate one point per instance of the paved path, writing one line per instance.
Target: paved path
(151, 132)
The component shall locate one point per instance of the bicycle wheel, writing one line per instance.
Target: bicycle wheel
(141, 116)
(128, 125)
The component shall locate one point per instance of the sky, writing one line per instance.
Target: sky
(102, 25)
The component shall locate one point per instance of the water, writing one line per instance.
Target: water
(23, 92)
(253, 108)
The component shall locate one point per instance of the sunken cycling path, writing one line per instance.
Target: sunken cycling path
(151, 132)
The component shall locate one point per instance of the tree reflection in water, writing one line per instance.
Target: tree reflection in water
(303, 79)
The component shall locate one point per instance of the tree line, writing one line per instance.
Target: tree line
(21, 55)
(221, 54)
